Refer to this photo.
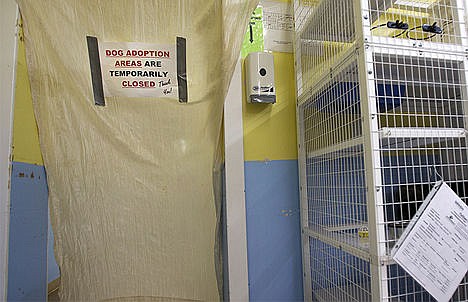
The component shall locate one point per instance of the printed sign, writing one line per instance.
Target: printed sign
(132, 69)
(278, 26)
(434, 247)
(271, 28)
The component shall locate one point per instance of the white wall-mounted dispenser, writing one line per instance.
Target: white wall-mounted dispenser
(260, 78)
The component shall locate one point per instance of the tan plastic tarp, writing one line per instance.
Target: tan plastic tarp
(131, 184)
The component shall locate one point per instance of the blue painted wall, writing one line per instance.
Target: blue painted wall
(27, 265)
(53, 271)
(273, 230)
(272, 189)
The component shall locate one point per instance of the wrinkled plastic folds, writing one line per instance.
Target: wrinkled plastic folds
(132, 185)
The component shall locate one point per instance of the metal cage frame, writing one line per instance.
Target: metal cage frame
(346, 121)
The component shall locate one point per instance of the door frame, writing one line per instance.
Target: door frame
(236, 223)
(9, 15)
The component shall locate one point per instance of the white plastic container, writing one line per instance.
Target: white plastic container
(260, 78)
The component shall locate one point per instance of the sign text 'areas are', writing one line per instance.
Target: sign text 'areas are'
(139, 69)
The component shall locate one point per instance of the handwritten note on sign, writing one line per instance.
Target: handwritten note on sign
(133, 69)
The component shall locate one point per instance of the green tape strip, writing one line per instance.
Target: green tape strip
(253, 39)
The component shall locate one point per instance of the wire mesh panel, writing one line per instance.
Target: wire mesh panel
(421, 103)
(421, 113)
(332, 114)
(336, 187)
(338, 275)
(417, 20)
(326, 33)
(402, 287)
(334, 158)
(337, 196)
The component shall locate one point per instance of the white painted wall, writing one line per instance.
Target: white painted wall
(235, 191)
(8, 43)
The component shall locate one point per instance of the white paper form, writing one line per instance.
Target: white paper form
(278, 26)
(433, 249)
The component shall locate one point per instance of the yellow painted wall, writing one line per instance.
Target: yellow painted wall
(25, 136)
(270, 130)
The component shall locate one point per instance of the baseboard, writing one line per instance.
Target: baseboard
(53, 286)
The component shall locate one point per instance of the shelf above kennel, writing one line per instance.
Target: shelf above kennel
(415, 137)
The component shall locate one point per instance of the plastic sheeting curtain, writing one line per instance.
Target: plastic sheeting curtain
(131, 184)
